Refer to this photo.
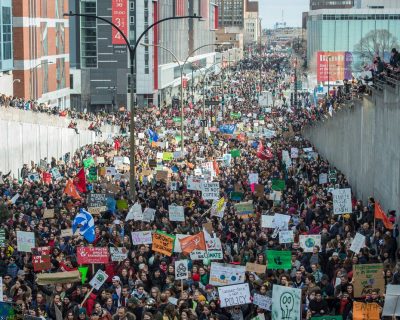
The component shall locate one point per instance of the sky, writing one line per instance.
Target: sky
(271, 12)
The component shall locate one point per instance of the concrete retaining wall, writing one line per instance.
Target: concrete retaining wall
(364, 143)
(26, 136)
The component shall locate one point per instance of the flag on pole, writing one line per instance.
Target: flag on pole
(380, 215)
(70, 190)
(153, 135)
(80, 181)
(85, 222)
(194, 242)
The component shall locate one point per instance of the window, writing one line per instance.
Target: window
(7, 33)
(88, 35)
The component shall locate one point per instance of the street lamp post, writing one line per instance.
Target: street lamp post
(132, 53)
(181, 67)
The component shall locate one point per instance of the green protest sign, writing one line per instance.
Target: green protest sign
(244, 208)
(83, 270)
(327, 318)
(2, 236)
(235, 153)
(332, 176)
(235, 115)
(236, 196)
(87, 163)
(279, 259)
(177, 119)
(92, 176)
(278, 185)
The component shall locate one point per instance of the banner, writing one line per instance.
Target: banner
(358, 243)
(235, 295)
(25, 241)
(210, 190)
(342, 201)
(181, 269)
(119, 12)
(223, 274)
(286, 236)
(364, 311)
(308, 242)
(279, 259)
(262, 301)
(287, 303)
(118, 254)
(58, 277)
(92, 255)
(366, 277)
(141, 237)
(176, 213)
(163, 243)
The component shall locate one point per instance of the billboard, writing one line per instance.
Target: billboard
(334, 66)
(120, 19)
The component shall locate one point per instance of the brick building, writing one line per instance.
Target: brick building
(41, 51)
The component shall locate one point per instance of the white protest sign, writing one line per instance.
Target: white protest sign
(286, 236)
(263, 302)
(141, 237)
(323, 178)
(174, 185)
(181, 269)
(25, 241)
(98, 280)
(358, 243)
(194, 183)
(218, 208)
(253, 178)
(148, 214)
(234, 295)
(286, 158)
(294, 153)
(308, 242)
(287, 303)
(281, 221)
(342, 201)
(118, 254)
(267, 221)
(15, 198)
(176, 213)
(111, 171)
(56, 174)
(1, 289)
(306, 150)
(223, 274)
(210, 190)
(135, 213)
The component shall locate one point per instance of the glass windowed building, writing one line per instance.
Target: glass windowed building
(6, 47)
(350, 30)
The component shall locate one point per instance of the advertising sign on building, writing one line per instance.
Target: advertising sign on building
(120, 19)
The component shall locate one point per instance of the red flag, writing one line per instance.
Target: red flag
(80, 181)
(380, 214)
(194, 242)
(71, 190)
(262, 153)
(117, 144)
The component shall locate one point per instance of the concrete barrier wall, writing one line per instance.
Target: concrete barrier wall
(26, 136)
(364, 143)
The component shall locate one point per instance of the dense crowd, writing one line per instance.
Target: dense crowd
(143, 285)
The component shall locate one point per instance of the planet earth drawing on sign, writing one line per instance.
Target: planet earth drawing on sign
(310, 242)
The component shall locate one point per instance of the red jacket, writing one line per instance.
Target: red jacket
(89, 303)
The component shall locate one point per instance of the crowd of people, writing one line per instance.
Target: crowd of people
(143, 285)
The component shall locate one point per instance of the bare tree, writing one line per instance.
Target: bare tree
(376, 43)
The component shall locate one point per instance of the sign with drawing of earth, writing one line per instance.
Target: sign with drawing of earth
(308, 242)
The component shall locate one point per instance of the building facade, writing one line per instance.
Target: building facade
(6, 48)
(231, 13)
(100, 66)
(251, 22)
(41, 51)
(331, 4)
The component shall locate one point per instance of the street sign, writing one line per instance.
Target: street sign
(203, 123)
(212, 103)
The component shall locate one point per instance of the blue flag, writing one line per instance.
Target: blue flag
(85, 222)
(227, 128)
(153, 135)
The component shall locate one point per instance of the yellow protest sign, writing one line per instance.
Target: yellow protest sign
(168, 156)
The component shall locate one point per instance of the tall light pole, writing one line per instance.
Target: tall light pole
(329, 71)
(31, 82)
(181, 67)
(132, 54)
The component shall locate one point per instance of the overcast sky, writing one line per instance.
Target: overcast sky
(271, 12)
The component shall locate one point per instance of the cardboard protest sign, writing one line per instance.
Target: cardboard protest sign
(224, 274)
(234, 295)
(366, 277)
(56, 174)
(286, 236)
(181, 269)
(176, 213)
(58, 277)
(141, 237)
(255, 267)
(244, 209)
(118, 254)
(97, 200)
(162, 176)
(342, 201)
(66, 233)
(99, 279)
(41, 262)
(48, 214)
(308, 242)
(262, 301)
(25, 241)
(287, 303)
(235, 153)
(163, 243)
(358, 243)
(259, 190)
(210, 190)
(279, 259)
(92, 255)
(236, 196)
(253, 178)
(362, 311)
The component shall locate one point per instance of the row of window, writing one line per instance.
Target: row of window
(355, 17)
(5, 34)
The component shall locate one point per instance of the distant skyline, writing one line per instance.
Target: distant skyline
(271, 12)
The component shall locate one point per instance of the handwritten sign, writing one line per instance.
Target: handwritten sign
(181, 269)
(118, 254)
(234, 295)
(48, 214)
(176, 213)
(141, 237)
(262, 301)
(308, 242)
(210, 190)
(25, 241)
(97, 200)
(163, 243)
(92, 255)
(342, 201)
(366, 277)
